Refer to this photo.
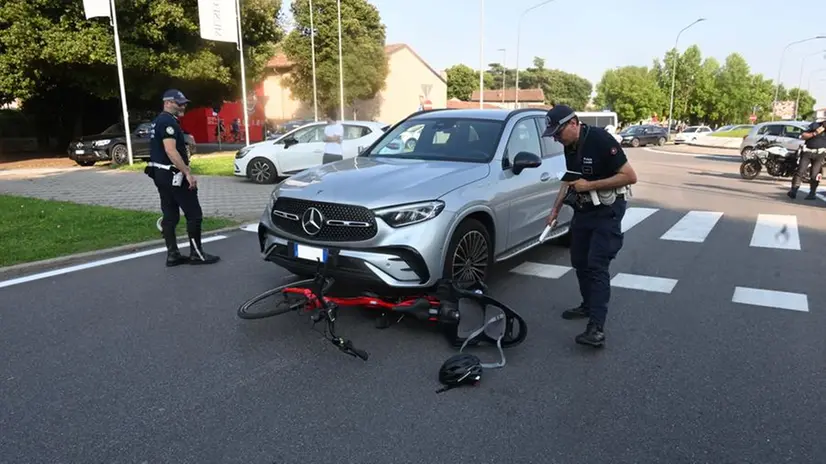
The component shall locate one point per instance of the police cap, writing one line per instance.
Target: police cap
(175, 95)
(556, 118)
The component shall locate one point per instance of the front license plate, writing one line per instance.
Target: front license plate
(310, 253)
(79, 152)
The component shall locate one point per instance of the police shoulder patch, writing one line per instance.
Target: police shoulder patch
(170, 130)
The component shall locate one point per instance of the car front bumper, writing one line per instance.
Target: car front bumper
(411, 257)
(89, 154)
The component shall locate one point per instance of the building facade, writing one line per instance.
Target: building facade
(411, 84)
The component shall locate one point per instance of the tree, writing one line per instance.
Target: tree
(558, 86)
(364, 60)
(62, 66)
(632, 92)
(462, 80)
(734, 84)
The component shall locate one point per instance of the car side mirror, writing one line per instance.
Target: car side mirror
(524, 160)
(142, 133)
(290, 141)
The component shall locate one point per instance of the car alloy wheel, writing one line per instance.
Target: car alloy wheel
(470, 259)
(261, 171)
(120, 155)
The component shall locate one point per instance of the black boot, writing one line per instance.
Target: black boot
(593, 336)
(196, 251)
(793, 192)
(812, 190)
(173, 256)
(580, 312)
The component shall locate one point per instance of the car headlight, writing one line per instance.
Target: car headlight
(243, 152)
(101, 143)
(405, 215)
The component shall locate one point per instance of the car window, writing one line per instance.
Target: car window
(355, 132)
(443, 139)
(550, 147)
(523, 137)
(792, 131)
(113, 129)
(771, 129)
(309, 134)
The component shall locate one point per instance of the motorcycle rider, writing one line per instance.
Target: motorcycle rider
(814, 152)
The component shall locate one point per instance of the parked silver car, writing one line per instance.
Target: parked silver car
(476, 189)
(787, 133)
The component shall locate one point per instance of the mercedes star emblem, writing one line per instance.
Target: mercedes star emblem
(311, 221)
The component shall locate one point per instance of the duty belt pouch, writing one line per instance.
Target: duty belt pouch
(177, 177)
(149, 171)
(607, 197)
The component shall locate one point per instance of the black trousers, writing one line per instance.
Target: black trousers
(816, 160)
(596, 238)
(173, 200)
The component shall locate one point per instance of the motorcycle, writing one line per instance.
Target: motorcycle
(777, 159)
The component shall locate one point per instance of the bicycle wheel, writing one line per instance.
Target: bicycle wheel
(259, 307)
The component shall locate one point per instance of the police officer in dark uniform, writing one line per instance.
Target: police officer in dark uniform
(169, 167)
(813, 152)
(596, 233)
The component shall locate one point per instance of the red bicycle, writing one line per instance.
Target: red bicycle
(450, 305)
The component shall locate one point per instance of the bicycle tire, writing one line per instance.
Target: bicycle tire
(244, 313)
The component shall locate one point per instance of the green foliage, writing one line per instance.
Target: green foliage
(738, 134)
(364, 59)
(705, 92)
(632, 92)
(462, 80)
(52, 58)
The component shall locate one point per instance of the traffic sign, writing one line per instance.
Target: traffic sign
(753, 117)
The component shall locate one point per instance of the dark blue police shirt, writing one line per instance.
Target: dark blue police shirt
(597, 154)
(166, 126)
(818, 141)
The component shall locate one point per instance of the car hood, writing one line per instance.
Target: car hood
(379, 182)
(92, 138)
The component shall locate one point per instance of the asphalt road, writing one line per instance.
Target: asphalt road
(135, 363)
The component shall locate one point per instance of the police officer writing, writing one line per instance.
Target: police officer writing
(814, 151)
(177, 187)
(597, 170)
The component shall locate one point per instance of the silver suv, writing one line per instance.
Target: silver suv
(475, 189)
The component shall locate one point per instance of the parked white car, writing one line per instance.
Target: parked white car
(301, 148)
(691, 133)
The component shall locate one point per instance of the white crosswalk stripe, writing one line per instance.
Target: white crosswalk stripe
(693, 227)
(634, 216)
(776, 231)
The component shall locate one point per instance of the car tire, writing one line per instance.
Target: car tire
(470, 237)
(262, 171)
(661, 141)
(635, 143)
(85, 164)
(119, 155)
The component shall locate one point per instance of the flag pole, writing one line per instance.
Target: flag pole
(312, 45)
(243, 75)
(127, 131)
(340, 65)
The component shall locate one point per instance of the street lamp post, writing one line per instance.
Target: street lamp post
(312, 53)
(674, 70)
(780, 68)
(800, 82)
(504, 70)
(518, 36)
(481, 54)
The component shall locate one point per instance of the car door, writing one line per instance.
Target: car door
(790, 138)
(140, 141)
(306, 152)
(553, 162)
(529, 192)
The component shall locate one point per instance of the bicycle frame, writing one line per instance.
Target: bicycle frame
(416, 306)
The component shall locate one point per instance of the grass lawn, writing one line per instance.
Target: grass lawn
(735, 134)
(32, 229)
(216, 164)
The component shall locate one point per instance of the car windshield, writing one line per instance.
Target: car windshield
(441, 139)
(113, 129)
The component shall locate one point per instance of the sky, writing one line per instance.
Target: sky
(588, 40)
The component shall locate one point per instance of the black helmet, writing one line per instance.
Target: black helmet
(460, 369)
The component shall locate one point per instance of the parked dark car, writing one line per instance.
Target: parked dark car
(644, 135)
(111, 145)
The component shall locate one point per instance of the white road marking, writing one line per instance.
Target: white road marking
(776, 231)
(771, 299)
(253, 227)
(693, 227)
(645, 283)
(547, 271)
(731, 157)
(634, 216)
(102, 262)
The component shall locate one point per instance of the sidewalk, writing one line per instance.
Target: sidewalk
(229, 197)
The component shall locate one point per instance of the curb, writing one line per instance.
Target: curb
(17, 270)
